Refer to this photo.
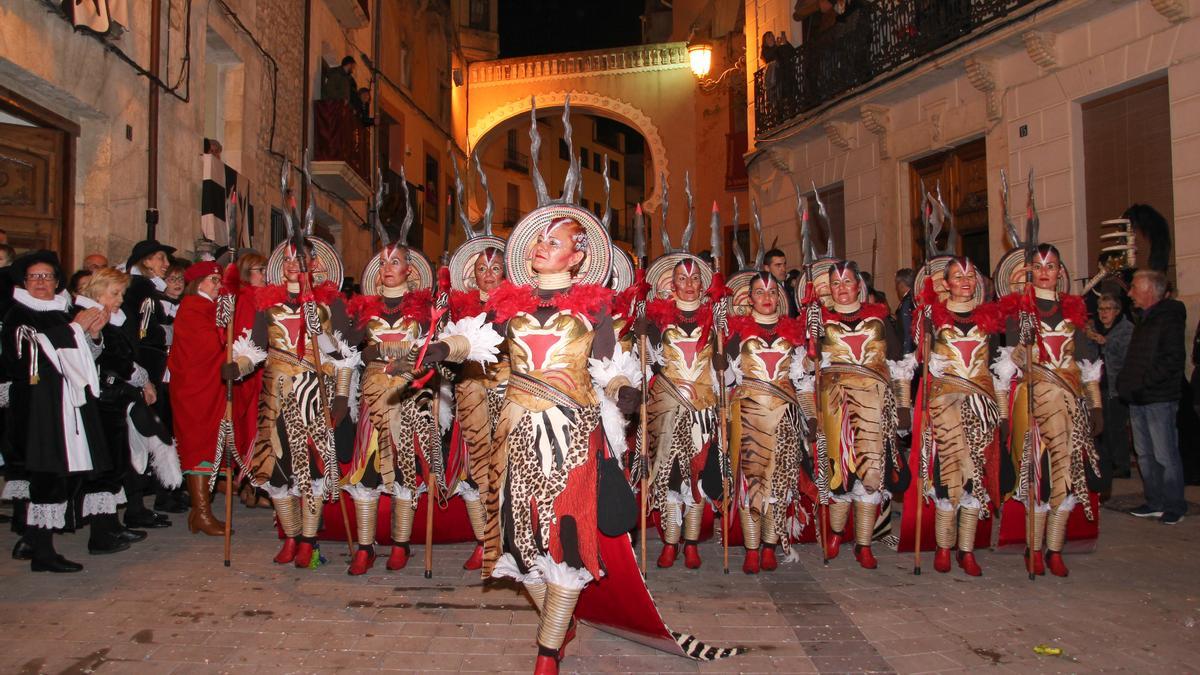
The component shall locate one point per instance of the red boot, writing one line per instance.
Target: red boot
(865, 558)
(768, 558)
(834, 545)
(941, 560)
(546, 665)
(362, 562)
(750, 565)
(966, 560)
(1037, 566)
(399, 557)
(287, 553)
(1054, 561)
(667, 557)
(476, 559)
(304, 554)
(567, 637)
(691, 555)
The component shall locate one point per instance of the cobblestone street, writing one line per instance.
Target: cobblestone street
(168, 606)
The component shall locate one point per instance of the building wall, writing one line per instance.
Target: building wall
(991, 89)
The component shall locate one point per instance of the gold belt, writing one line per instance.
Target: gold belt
(539, 389)
(290, 359)
(853, 369)
(769, 388)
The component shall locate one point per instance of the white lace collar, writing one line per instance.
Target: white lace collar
(160, 284)
(60, 303)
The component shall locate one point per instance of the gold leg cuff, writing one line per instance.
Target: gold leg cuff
(537, 593)
(366, 514)
(475, 513)
(402, 520)
(943, 528)
(839, 513)
(556, 615)
(968, 523)
(864, 522)
(769, 536)
(692, 519)
(1039, 529)
(1056, 529)
(750, 533)
(288, 512)
(310, 522)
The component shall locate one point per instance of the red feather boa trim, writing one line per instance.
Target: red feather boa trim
(626, 300)
(868, 310)
(717, 289)
(746, 327)
(326, 293)
(509, 300)
(465, 303)
(268, 296)
(989, 316)
(1074, 310)
(663, 312)
(231, 280)
(415, 305)
(792, 330)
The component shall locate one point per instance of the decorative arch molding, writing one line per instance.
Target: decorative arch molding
(612, 107)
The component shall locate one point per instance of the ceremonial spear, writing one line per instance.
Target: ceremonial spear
(639, 254)
(720, 310)
(925, 330)
(226, 447)
(1029, 333)
(312, 323)
(814, 328)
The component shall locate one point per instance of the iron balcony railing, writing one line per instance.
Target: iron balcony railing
(516, 160)
(881, 36)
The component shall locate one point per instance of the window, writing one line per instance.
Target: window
(614, 169)
(563, 154)
(480, 15)
(584, 203)
(511, 137)
(431, 184)
(278, 227)
(597, 163)
(616, 219)
(597, 209)
(583, 157)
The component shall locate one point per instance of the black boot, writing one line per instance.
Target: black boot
(103, 538)
(45, 558)
(22, 550)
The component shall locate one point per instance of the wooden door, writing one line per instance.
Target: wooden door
(31, 186)
(962, 174)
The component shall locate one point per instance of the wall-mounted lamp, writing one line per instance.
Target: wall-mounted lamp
(700, 57)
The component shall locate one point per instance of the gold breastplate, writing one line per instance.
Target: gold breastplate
(688, 365)
(965, 353)
(286, 324)
(767, 360)
(865, 345)
(624, 342)
(554, 352)
(1058, 350)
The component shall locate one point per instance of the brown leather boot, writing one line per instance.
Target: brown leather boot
(200, 517)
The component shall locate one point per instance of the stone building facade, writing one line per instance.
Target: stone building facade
(1098, 98)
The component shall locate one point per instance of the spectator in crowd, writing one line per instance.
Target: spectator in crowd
(94, 261)
(1111, 331)
(78, 280)
(175, 282)
(904, 308)
(7, 255)
(775, 262)
(1149, 382)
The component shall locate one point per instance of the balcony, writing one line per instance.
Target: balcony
(516, 160)
(350, 13)
(882, 41)
(341, 150)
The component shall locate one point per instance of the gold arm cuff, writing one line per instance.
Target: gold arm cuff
(459, 346)
(808, 404)
(903, 393)
(1002, 402)
(1092, 389)
(245, 366)
(614, 386)
(344, 376)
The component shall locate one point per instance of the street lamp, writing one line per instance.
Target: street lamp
(700, 57)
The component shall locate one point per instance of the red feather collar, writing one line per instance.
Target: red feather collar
(989, 316)
(745, 326)
(465, 303)
(510, 300)
(414, 305)
(868, 310)
(1072, 307)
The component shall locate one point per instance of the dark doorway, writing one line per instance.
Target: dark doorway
(962, 174)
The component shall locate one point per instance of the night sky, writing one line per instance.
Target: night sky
(547, 26)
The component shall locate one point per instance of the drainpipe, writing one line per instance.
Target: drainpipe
(152, 130)
(305, 105)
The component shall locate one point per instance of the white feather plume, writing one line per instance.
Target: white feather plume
(903, 369)
(244, 348)
(1091, 370)
(484, 339)
(561, 574)
(445, 406)
(613, 421)
(1004, 369)
(938, 364)
(604, 371)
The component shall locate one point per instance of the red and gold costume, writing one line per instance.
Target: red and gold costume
(768, 431)
(959, 457)
(864, 382)
(1065, 385)
(293, 457)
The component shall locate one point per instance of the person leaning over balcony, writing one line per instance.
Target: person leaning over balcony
(1149, 383)
(339, 84)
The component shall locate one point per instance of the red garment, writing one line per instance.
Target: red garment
(247, 390)
(197, 392)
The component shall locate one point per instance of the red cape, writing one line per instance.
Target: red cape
(197, 392)
(245, 391)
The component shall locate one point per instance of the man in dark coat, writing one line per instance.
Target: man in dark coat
(1150, 383)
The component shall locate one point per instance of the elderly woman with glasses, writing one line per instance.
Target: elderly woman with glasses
(1111, 331)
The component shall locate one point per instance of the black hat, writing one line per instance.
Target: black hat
(22, 264)
(144, 249)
